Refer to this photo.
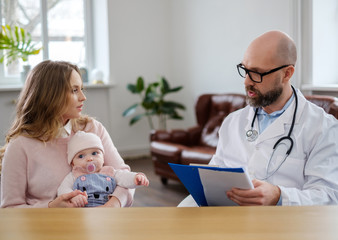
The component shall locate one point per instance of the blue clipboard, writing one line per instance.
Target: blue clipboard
(189, 176)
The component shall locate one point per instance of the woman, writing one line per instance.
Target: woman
(34, 159)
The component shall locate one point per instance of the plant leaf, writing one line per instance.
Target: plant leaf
(23, 35)
(130, 110)
(148, 104)
(135, 119)
(139, 84)
(176, 89)
(132, 88)
(17, 43)
(165, 88)
(176, 117)
(152, 101)
(170, 104)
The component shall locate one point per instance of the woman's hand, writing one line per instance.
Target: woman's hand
(113, 202)
(80, 200)
(64, 201)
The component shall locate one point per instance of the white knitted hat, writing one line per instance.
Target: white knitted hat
(81, 141)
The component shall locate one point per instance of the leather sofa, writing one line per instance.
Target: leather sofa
(197, 144)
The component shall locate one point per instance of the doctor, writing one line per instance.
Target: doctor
(288, 145)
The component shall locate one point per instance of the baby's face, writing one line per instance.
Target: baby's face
(93, 155)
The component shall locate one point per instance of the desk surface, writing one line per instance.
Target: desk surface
(171, 223)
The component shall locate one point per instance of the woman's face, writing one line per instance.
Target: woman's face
(76, 98)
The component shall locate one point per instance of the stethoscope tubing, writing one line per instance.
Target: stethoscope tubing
(252, 132)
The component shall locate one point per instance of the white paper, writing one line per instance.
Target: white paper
(217, 183)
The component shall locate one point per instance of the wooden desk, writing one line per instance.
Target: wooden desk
(171, 223)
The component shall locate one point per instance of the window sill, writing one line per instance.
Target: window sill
(10, 88)
(17, 88)
(320, 88)
(96, 86)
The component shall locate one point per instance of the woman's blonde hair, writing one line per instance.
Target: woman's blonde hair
(42, 103)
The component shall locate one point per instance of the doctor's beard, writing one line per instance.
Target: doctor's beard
(263, 100)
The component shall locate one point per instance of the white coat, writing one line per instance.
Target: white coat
(309, 175)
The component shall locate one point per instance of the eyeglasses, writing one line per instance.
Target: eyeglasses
(256, 76)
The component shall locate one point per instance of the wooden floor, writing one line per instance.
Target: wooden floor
(156, 194)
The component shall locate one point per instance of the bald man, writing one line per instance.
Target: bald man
(288, 145)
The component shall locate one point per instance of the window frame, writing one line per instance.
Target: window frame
(6, 81)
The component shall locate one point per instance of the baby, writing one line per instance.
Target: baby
(98, 182)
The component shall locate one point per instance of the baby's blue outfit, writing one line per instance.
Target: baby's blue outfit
(98, 187)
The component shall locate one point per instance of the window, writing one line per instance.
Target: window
(325, 39)
(319, 30)
(59, 26)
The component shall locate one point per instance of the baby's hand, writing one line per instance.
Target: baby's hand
(141, 179)
(80, 200)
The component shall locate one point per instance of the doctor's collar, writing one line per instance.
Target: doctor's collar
(278, 112)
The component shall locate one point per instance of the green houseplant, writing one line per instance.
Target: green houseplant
(16, 43)
(153, 103)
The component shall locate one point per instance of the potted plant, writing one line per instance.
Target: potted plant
(15, 44)
(153, 103)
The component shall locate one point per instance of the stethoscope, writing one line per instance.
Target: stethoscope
(252, 135)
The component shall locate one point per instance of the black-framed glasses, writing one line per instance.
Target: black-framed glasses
(256, 76)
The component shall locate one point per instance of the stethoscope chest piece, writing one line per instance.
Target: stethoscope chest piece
(251, 135)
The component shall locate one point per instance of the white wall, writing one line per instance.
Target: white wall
(209, 38)
(140, 45)
(194, 43)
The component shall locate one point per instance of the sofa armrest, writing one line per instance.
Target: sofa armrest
(194, 134)
(187, 137)
(160, 135)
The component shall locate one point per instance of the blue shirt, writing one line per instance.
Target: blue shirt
(265, 119)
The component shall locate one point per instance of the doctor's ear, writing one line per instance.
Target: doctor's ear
(288, 73)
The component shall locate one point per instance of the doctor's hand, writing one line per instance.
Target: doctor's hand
(263, 193)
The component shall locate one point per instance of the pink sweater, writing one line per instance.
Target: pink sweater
(32, 170)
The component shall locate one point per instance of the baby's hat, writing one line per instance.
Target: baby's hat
(81, 141)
